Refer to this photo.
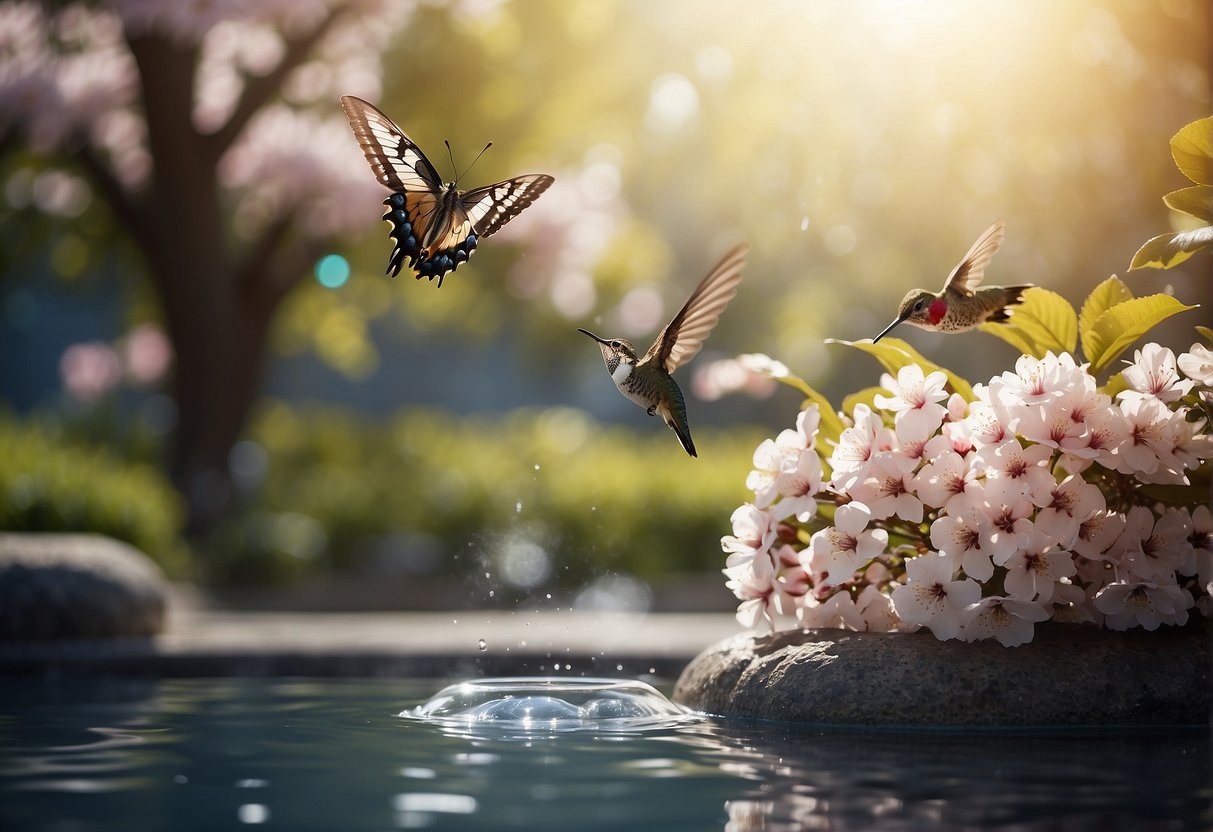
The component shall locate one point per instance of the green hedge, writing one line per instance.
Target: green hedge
(51, 484)
(594, 497)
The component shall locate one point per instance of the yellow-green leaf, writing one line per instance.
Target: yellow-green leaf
(830, 425)
(1205, 332)
(1044, 322)
(1167, 250)
(894, 353)
(865, 396)
(1103, 297)
(1192, 149)
(1115, 384)
(1196, 201)
(1117, 328)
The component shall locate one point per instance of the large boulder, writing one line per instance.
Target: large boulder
(60, 586)
(1069, 674)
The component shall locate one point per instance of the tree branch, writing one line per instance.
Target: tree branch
(129, 210)
(259, 90)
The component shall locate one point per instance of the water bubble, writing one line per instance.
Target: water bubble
(518, 507)
(536, 466)
(483, 645)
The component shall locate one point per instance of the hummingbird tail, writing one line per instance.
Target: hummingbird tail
(1013, 296)
(684, 436)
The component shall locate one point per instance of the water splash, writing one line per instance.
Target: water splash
(549, 705)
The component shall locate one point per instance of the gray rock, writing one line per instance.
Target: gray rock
(56, 586)
(1069, 675)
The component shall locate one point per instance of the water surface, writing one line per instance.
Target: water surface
(83, 755)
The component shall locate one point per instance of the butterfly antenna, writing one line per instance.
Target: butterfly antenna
(474, 161)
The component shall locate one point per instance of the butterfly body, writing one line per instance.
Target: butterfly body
(435, 226)
(648, 380)
(963, 303)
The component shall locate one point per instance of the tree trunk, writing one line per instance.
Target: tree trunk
(217, 329)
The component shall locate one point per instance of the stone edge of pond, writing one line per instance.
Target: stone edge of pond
(1069, 675)
(55, 586)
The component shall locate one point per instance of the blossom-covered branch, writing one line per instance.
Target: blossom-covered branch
(977, 519)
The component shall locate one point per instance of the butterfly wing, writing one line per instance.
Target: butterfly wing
(492, 206)
(395, 159)
(683, 337)
(967, 275)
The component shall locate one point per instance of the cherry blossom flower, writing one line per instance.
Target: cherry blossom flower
(947, 476)
(959, 533)
(915, 398)
(754, 530)
(1017, 476)
(1007, 531)
(1153, 373)
(798, 488)
(1197, 364)
(1201, 541)
(1073, 501)
(986, 424)
(1148, 437)
(887, 489)
(932, 597)
(1142, 604)
(1149, 550)
(782, 456)
(878, 613)
(856, 446)
(837, 612)
(1007, 619)
(1098, 533)
(838, 550)
(754, 584)
(1033, 571)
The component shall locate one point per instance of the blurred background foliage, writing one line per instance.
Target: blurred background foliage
(860, 147)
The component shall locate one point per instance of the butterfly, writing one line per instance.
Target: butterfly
(435, 226)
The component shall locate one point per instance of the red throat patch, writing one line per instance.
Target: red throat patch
(937, 310)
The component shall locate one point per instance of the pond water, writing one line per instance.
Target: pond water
(212, 754)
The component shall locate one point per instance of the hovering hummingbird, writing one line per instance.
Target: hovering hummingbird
(962, 305)
(648, 380)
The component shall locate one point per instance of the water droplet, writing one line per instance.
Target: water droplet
(619, 667)
(593, 508)
(491, 593)
(804, 224)
(518, 507)
(548, 596)
(652, 670)
(488, 575)
(536, 466)
(454, 620)
(522, 643)
(483, 645)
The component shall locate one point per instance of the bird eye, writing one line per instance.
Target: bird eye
(918, 306)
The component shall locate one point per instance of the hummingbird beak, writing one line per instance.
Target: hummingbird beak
(887, 329)
(592, 335)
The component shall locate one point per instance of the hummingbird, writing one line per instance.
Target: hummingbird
(648, 380)
(961, 305)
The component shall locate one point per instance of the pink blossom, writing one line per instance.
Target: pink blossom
(915, 398)
(1073, 501)
(1142, 604)
(147, 354)
(1033, 571)
(986, 424)
(1148, 437)
(888, 489)
(1098, 533)
(838, 550)
(798, 488)
(1006, 619)
(1153, 373)
(959, 533)
(856, 445)
(932, 597)
(754, 530)
(1197, 364)
(836, 612)
(89, 370)
(754, 583)
(1007, 531)
(1015, 475)
(1149, 550)
(878, 614)
(716, 379)
(947, 476)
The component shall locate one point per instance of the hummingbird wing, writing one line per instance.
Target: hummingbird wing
(967, 275)
(682, 337)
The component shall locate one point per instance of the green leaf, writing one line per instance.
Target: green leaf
(1196, 201)
(1117, 328)
(1167, 250)
(1044, 322)
(1103, 297)
(865, 396)
(1116, 384)
(1205, 332)
(830, 425)
(894, 353)
(1192, 149)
